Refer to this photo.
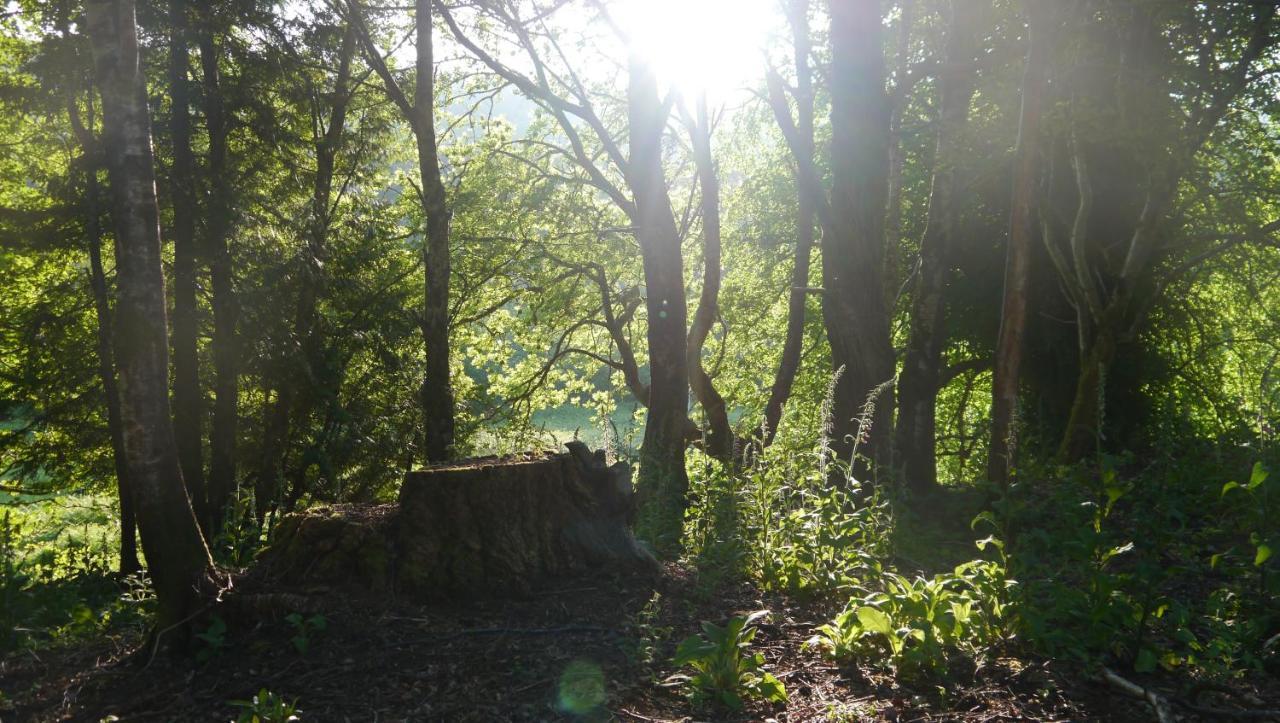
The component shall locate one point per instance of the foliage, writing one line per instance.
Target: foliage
(266, 707)
(304, 628)
(780, 523)
(1148, 572)
(56, 575)
(727, 672)
(915, 625)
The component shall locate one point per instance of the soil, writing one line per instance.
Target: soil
(544, 655)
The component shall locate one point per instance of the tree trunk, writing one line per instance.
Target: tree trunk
(188, 402)
(719, 437)
(437, 390)
(793, 342)
(922, 363)
(897, 154)
(1084, 426)
(218, 222)
(1017, 272)
(664, 482)
(107, 370)
(268, 486)
(853, 309)
(176, 555)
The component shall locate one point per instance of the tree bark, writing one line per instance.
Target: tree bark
(1084, 426)
(188, 402)
(437, 390)
(129, 562)
(719, 436)
(1002, 450)
(897, 153)
(664, 483)
(793, 342)
(177, 558)
(922, 363)
(854, 311)
(218, 223)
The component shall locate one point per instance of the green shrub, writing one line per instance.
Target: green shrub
(916, 624)
(726, 671)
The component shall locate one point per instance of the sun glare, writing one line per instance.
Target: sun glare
(716, 46)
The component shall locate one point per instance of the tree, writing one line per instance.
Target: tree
(188, 400)
(218, 226)
(1017, 274)
(301, 387)
(436, 393)
(789, 360)
(1112, 293)
(853, 232)
(922, 363)
(90, 165)
(177, 558)
(719, 437)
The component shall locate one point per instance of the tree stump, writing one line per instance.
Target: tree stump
(482, 525)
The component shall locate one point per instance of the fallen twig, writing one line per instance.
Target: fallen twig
(1158, 703)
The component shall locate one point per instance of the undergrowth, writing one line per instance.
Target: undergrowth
(1163, 567)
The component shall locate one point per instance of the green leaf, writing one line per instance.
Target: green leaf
(732, 700)
(1146, 661)
(772, 689)
(876, 621)
(1258, 476)
(1263, 554)
(1229, 486)
(692, 649)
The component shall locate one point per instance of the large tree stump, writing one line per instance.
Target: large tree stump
(476, 526)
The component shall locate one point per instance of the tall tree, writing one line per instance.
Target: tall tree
(922, 363)
(188, 404)
(177, 558)
(853, 302)
(719, 435)
(1112, 293)
(1017, 271)
(217, 229)
(792, 345)
(90, 165)
(436, 393)
(663, 477)
(663, 481)
(300, 387)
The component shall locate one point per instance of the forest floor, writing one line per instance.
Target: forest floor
(538, 657)
(582, 649)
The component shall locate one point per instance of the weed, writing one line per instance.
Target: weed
(266, 707)
(303, 628)
(726, 671)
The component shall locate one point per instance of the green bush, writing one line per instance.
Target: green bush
(916, 624)
(725, 669)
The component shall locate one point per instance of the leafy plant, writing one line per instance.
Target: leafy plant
(1258, 514)
(214, 639)
(266, 707)
(726, 671)
(303, 629)
(919, 622)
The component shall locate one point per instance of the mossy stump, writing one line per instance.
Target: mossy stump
(478, 526)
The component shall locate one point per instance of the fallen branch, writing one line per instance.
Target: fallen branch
(1158, 703)
(1162, 705)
